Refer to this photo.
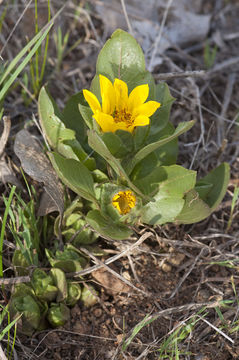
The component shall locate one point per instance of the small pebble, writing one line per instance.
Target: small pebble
(166, 267)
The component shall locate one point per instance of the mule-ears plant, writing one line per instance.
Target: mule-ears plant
(115, 147)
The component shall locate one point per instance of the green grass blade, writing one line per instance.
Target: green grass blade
(23, 64)
(23, 52)
(4, 220)
(136, 329)
(46, 45)
(8, 327)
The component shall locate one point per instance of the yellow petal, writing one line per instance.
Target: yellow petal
(121, 94)
(146, 109)
(138, 96)
(141, 120)
(105, 121)
(107, 95)
(92, 100)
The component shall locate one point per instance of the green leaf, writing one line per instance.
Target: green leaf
(148, 149)
(81, 154)
(73, 293)
(219, 179)
(140, 136)
(53, 127)
(173, 180)
(68, 261)
(119, 143)
(172, 183)
(161, 117)
(163, 209)
(121, 57)
(105, 226)
(194, 209)
(58, 314)
(163, 156)
(43, 285)
(75, 175)
(73, 119)
(85, 111)
(99, 146)
(203, 189)
(89, 296)
(59, 279)
(26, 306)
(60, 137)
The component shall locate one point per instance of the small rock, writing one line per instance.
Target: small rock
(176, 259)
(166, 267)
(112, 284)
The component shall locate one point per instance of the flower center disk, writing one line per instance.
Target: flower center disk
(124, 201)
(123, 116)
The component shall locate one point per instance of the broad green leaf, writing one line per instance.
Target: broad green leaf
(164, 209)
(73, 293)
(140, 136)
(58, 314)
(28, 307)
(164, 156)
(173, 180)
(89, 296)
(194, 209)
(89, 162)
(59, 279)
(73, 119)
(121, 57)
(99, 146)
(85, 111)
(141, 154)
(219, 179)
(171, 183)
(75, 175)
(105, 226)
(119, 143)
(68, 261)
(43, 285)
(160, 118)
(203, 189)
(59, 137)
(53, 127)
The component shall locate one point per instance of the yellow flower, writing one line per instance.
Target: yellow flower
(124, 201)
(120, 111)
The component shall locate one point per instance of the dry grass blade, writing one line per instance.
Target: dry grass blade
(2, 355)
(5, 134)
(125, 252)
(114, 273)
(181, 74)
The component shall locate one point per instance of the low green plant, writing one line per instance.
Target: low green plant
(209, 55)
(38, 65)
(46, 299)
(3, 225)
(233, 204)
(7, 328)
(61, 43)
(115, 147)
